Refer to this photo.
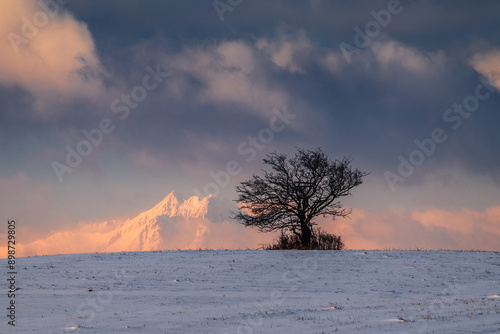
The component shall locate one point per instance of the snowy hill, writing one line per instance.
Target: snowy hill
(258, 292)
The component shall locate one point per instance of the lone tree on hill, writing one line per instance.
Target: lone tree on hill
(297, 190)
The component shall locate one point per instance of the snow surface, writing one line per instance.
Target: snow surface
(258, 292)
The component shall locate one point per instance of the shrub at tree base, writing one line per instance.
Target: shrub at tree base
(320, 240)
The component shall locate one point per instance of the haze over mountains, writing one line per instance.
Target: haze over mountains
(193, 223)
(173, 223)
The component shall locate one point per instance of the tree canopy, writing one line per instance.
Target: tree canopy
(295, 191)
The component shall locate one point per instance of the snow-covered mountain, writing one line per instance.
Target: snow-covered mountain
(171, 224)
(192, 223)
(158, 228)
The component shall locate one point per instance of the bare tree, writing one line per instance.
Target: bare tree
(295, 191)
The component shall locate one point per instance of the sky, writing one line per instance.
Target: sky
(107, 107)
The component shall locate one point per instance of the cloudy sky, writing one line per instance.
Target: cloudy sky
(107, 107)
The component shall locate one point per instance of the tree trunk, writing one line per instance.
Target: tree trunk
(306, 235)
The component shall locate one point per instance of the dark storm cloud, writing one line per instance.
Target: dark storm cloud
(130, 21)
(364, 108)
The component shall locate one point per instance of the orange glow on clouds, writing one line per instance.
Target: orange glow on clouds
(431, 229)
(51, 56)
(194, 234)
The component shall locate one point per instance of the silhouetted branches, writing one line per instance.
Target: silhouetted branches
(295, 191)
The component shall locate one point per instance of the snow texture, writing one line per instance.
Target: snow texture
(258, 292)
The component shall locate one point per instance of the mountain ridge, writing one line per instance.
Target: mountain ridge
(170, 224)
(145, 232)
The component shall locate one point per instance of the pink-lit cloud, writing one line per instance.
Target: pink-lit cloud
(431, 229)
(426, 229)
(229, 72)
(392, 55)
(48, 53)
(198, 233)
(488, 64)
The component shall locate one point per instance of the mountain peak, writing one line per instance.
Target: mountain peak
(168, 206)
(169, 196)
(194, 207)
(171, 207)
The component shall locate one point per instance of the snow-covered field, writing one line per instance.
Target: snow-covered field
(258, 292)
